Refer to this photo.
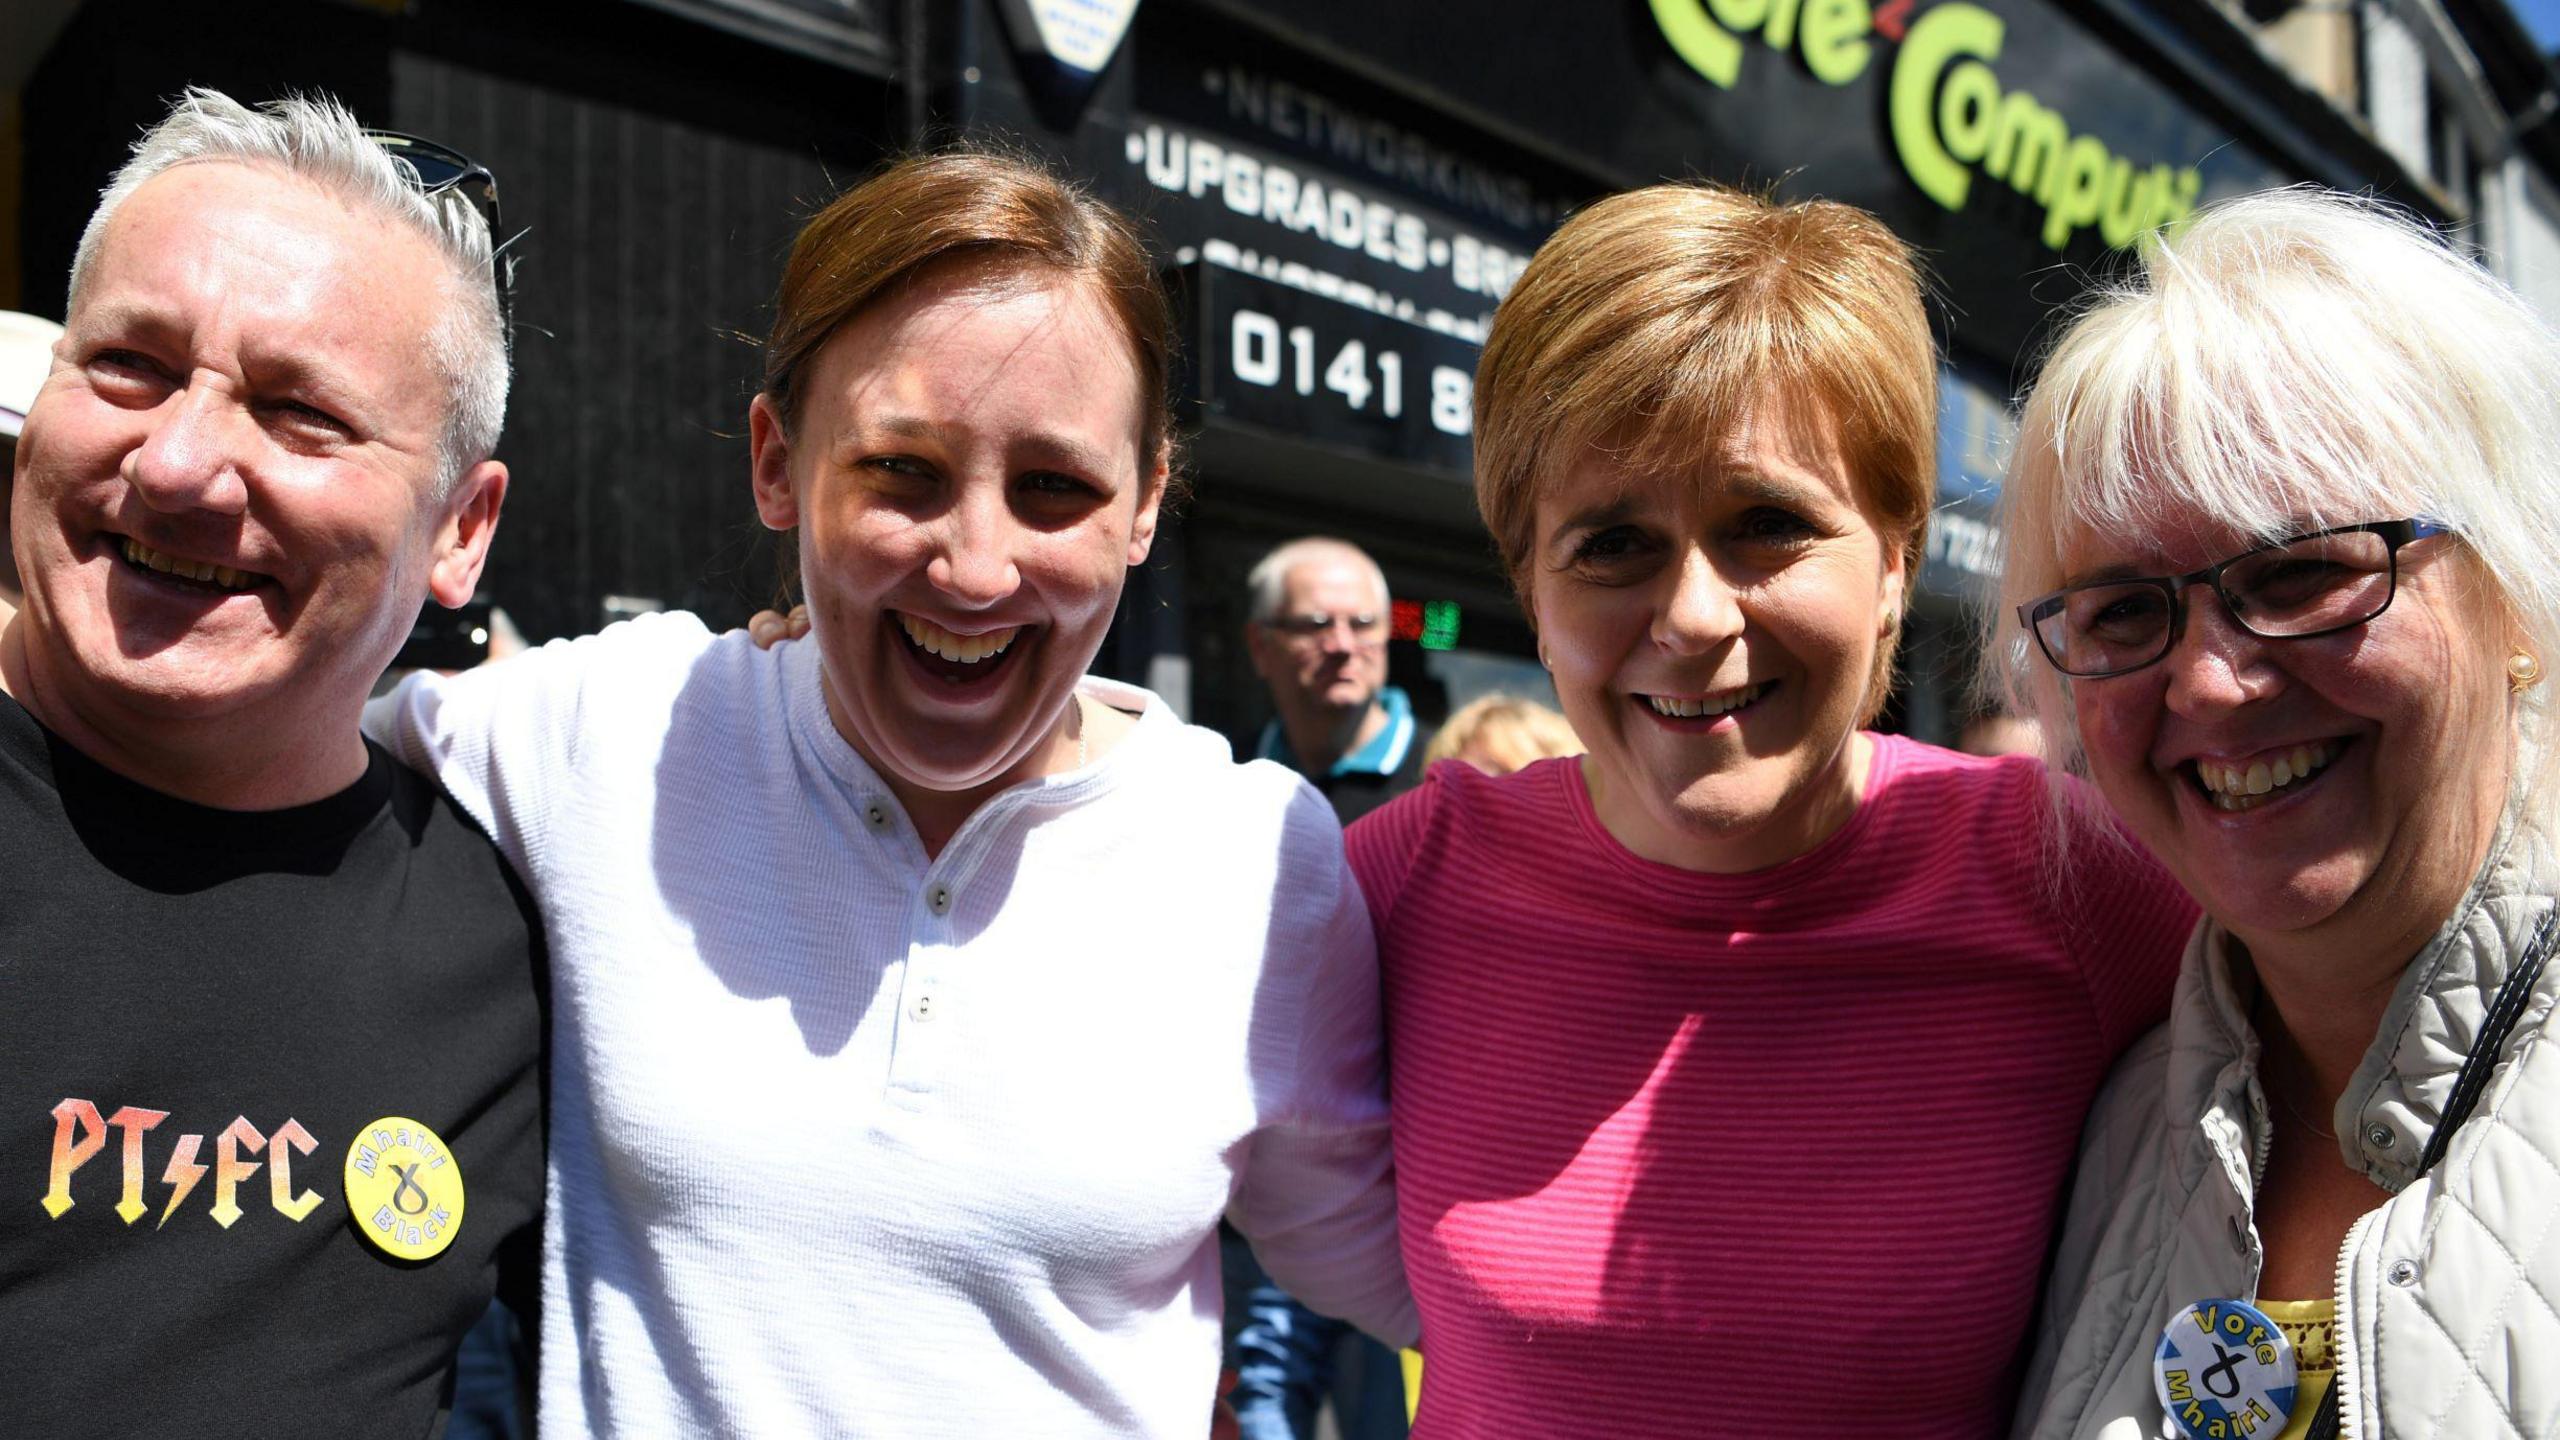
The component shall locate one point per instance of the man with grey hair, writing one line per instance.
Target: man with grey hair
(1317, 635)
(270, 1057)
(1318, 639)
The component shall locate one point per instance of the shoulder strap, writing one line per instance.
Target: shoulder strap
(2504, 1007)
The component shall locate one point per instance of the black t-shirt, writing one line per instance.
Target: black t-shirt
(189, 996)
(1355, 793)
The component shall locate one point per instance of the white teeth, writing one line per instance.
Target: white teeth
(2236, 787)
(965, 649)
(218, 575)
(1696, 709)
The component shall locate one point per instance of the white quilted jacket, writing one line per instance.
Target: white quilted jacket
(2446, 1293)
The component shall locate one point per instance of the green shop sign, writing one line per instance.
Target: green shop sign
(1951, 116)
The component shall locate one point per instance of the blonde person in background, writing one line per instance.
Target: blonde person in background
(1997, 732)
(1498, 734)
(2281, 527)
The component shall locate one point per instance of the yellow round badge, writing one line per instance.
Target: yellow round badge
(404, 1188)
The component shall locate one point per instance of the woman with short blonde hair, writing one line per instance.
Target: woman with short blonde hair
(1738, 1062)
(1672, 318)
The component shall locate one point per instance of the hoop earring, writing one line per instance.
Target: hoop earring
(2523, 672)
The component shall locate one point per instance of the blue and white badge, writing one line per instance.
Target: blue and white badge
(2224, 1371)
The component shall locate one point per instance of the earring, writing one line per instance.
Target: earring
(2523, 672)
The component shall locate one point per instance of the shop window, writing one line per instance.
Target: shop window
(2448, 151)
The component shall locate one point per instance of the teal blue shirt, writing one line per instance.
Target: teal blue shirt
(1381, 756)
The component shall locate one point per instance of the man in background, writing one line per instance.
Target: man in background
(1318, 638)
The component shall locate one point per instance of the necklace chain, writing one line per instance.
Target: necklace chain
(2305, 1121)
(2257, 1022)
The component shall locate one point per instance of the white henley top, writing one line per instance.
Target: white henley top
(847, 1141)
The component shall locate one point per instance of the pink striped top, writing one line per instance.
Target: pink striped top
(1766, 1154)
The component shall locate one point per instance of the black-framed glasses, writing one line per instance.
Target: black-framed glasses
(2315, 584)
(440, 168)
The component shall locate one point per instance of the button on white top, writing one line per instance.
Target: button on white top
(938, 899)
(875, 815)
(921, 1007)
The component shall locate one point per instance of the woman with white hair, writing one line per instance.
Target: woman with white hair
(2281, 526)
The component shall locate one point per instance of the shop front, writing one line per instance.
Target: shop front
(1342, 192)
(1345, 191)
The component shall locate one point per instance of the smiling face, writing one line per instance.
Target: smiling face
(226, 510)
(967, 476)
(1713, 639)
(2402, 724)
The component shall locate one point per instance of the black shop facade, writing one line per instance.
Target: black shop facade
(1344, 192)
(1341, 192)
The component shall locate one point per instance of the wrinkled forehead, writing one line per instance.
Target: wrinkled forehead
(2172, 539)
(267, 253)
(1770, 452)
(1329, 581)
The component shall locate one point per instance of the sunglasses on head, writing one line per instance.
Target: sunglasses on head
(439, 169)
